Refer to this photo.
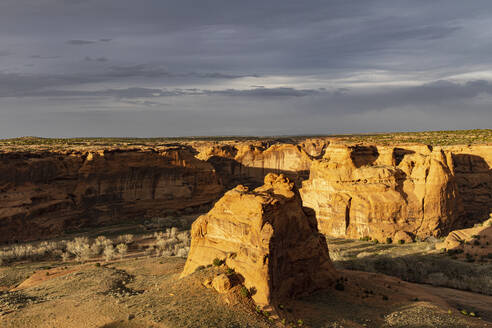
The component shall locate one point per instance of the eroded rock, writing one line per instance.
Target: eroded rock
(267, 237)
(363, 191)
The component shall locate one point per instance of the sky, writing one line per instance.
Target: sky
(157, 68)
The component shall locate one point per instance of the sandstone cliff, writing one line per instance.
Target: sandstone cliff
(248, 162)
(365, 191)
(49, 189)
(45, 193)
(267, 237)
(472, 167)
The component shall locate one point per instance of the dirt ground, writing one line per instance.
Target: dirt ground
(146, 292)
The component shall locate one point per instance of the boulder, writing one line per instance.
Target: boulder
(268, 238)
(222, 283)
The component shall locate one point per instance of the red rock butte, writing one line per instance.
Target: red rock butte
(268, 238)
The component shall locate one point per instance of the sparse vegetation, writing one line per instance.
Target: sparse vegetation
(244, 291)
(217, 262)
(433, 138)
(171, 242)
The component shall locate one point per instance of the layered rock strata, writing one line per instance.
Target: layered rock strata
(363, 191)
(267, 237)
(45, 193)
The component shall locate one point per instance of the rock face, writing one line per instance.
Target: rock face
(248, 163)
(363, 191)
(267, 237)
(472, 167)
(356, 190)
(45, 193)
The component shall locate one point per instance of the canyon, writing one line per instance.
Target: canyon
(400, 191)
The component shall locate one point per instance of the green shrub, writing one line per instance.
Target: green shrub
(389, 240)
(244, 291)
(217, 262)
(401, 242)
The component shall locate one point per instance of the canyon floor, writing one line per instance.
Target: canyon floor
(145, 291)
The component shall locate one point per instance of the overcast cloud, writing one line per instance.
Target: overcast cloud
(170, 68)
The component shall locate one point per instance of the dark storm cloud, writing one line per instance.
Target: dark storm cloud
(229, 64)
(264, 92)
(80, 42)
(98, 59)
(44, 57)
(151, 71)
(32, 85)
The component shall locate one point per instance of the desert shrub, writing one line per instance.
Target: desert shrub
(200, 268)
(476, 243)
(172, 242)
(65, 256)
(127, 239)
(389, 240)
(244, 291)
(365, 238)
(109, 253)
(217, 262)
(96, 249)
(401, 242)
(122, 250)
(80, 248)
(181, 252)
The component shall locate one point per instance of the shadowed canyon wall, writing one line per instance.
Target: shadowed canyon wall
(45, 193)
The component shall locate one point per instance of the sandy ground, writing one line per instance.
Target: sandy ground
(146, 292)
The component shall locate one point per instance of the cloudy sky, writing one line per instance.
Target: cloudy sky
(223, 67)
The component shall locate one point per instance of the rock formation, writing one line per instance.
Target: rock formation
(472, 167)
(45, 193)
(248, 163)
(363, 191)
(410, 188)
(267, 237)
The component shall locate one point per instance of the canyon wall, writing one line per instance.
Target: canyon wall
(44, 193)
(249, 163)
(366, 191)
(356, 190)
